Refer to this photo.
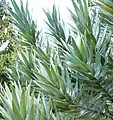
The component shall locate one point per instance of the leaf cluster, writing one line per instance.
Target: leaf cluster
(73, 70)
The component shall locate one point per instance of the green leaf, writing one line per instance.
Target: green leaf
(16, 112)
(15, 99)
(76, 49)
(32, 110)
(17, 9)
(23, 104)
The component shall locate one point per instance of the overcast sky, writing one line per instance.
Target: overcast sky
(36, 7)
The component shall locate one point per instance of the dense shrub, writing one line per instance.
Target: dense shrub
(8, 43)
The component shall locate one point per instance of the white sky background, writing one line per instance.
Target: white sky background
(35, 6)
